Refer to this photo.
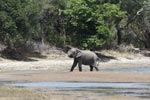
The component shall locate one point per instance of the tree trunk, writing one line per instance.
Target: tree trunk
(119, 39)
(147, 26)
(147, 39)
(60, 26)
(42, 33)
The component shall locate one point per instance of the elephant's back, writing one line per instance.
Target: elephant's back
(89, 54)
(88, 57)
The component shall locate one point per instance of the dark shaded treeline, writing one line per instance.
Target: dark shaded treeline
(87, 24)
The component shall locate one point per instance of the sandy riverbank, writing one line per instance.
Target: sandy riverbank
(54, 69)
(63, 63)
(57, 69)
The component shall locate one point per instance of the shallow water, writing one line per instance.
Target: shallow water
(80, 84)
(100, 89)
(130, 70)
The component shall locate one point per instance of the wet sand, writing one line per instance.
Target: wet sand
(46, 75)
(66, 76)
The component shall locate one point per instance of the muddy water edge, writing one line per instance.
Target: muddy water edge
(141, 90)
(103, 85)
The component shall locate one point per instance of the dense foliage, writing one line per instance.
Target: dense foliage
(89, 24)
(92, 21)
(19, 21)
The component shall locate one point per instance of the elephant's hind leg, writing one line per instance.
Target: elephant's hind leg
(96, 68)
(80, 68)
(91, 68)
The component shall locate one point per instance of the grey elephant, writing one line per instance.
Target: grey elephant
(84, 57)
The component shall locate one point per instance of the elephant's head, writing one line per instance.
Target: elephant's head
(74, 53)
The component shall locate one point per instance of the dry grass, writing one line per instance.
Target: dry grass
(14, 93)
(121, 98)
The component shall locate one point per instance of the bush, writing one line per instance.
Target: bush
(91, 43)
(56, 39)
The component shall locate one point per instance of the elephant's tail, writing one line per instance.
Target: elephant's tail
(98, 60)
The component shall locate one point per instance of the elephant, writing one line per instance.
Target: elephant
(84, 57)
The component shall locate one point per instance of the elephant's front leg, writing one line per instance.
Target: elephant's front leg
(80, 65)
(74, 65)
(80, 68)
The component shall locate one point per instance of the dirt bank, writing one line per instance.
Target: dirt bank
(56, 68)
(63, 63)
(75, 76)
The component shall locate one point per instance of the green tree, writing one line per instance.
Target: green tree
(52, 22)
(137, 27)
(19, 21)
(91, 22)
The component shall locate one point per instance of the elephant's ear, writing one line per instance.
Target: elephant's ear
(78, 53)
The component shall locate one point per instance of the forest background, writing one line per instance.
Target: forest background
(86, 24)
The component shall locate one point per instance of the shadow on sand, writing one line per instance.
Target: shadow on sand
(21, 56)
(147, 54)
